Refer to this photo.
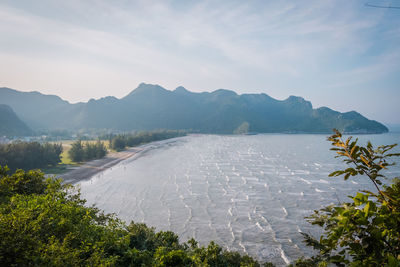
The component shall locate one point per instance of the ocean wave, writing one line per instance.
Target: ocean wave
(221, 191)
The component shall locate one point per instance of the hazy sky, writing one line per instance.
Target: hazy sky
(336, 53)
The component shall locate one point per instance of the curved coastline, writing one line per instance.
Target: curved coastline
(93, 167)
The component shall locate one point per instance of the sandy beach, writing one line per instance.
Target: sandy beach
(93, 167)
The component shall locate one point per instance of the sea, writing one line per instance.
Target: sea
(247, 193)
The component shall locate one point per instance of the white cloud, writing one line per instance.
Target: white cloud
(201, 45)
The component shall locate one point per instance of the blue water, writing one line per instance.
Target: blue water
(247, 193)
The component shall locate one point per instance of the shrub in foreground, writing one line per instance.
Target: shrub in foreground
(366, 230)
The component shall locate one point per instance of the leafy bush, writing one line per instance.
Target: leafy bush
(365, 231)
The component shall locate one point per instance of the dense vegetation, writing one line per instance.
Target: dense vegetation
(29, 155)
(150, 107)
(119, 142)
(87, 151)
(45, 223)
(365, 231)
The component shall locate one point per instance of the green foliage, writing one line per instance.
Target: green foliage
(118, 143)
(365, 231)
(21, 182)
(76, 152)
(45, 223)
(29, 155)
(82, 152)
(94, 150)
(365, 160)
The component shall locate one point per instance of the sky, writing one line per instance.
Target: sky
(340, 54)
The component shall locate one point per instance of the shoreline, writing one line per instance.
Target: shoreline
(93, 167)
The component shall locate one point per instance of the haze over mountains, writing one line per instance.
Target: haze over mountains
(10, 124)
(153, 107)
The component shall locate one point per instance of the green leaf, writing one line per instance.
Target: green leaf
(366, 209)
(360, 199)
(393, 262)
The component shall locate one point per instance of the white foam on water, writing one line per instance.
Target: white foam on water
(231, 231)
(284, 257)
(285, 211)
(259, 226)
(304, 180)
(230, 211)
(242, 246)
(202, 184)
(225, 192)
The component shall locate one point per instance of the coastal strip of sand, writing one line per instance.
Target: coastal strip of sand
(93, 167)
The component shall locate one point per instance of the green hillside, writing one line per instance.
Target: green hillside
(10, 124)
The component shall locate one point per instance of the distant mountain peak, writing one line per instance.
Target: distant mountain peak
(108, 99)
(10, 91)
(146, 88)
(143, 86)
(10, 123)
(295, 98)
(224, 92)
(181, 90)
(298, 100)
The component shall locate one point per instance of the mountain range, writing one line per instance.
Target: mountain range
(10, 124)
(153, 107)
